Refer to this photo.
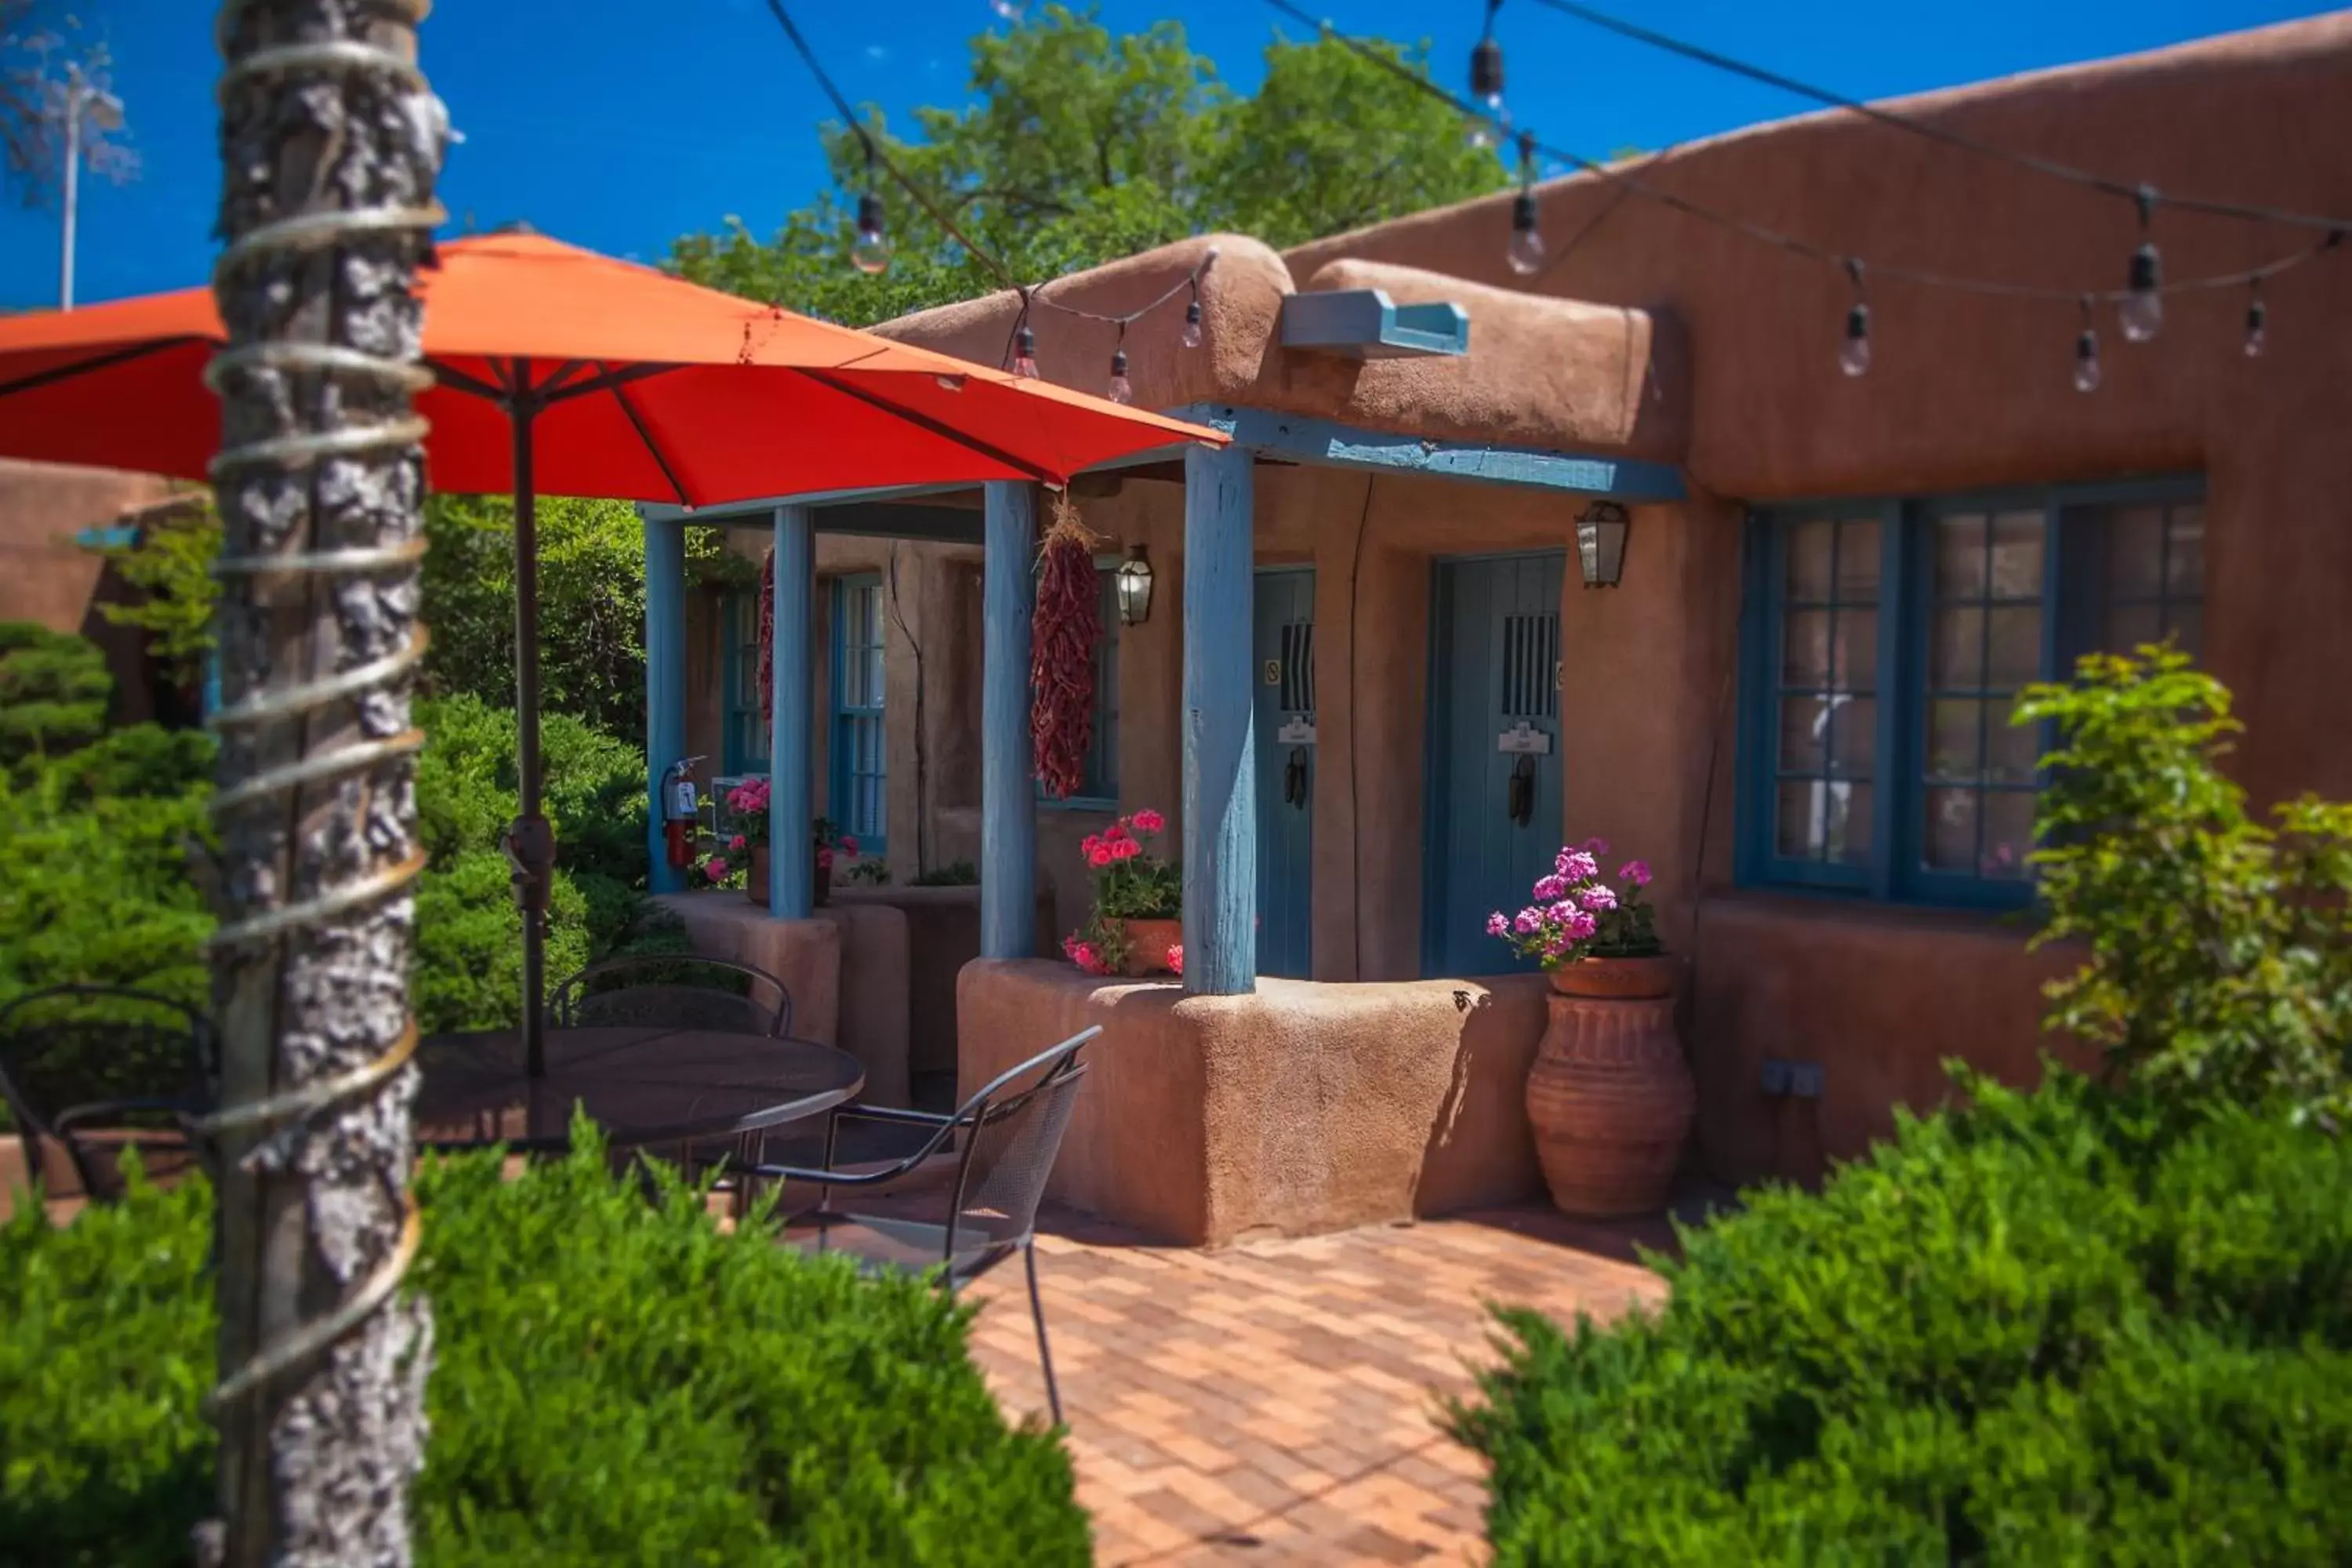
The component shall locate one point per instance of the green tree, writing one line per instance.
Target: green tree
(1079, 146)
(171, 566)
(53, 693)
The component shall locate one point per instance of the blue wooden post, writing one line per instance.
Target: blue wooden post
(792, 805)
(665, 684)
(1220, 746)
(1008, 802)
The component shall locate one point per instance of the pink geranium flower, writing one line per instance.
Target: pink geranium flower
(1149, 821)
(715, 868)
(1636, 872)
(1553, 887)
(1176, 957)
(1498, 924)
(1596, 845)
(1098, 853)
(848, 845)
(1125, 849)
(1114, 833)
(824, 859)
(736, 843)
(1597, 897)
(1577, 866)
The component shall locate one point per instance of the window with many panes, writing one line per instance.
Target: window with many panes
(743, 738)
(1885, 645)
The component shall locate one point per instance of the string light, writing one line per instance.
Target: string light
(2257, 320)
(1024, 353)
(2087, 353)
(1120, 389)
(1191, 338)
(1487, 120)
(2142, 310)
(1526, 252)
(870, 252)
(1853, 354)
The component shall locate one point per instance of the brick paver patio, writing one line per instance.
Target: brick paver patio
(1279, 1402)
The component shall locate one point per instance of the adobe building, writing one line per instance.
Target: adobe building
(1791, 702)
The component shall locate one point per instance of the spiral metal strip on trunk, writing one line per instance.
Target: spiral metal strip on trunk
(305, 233)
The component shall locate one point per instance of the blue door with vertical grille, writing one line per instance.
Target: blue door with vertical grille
(1494, 762)
(1285, 642)
(860, 774)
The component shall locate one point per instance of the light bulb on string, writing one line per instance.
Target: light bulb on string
(1191, 338)
(1025, 352)
(1486, 121)
(1854, 353)
(870, 253)
(2257, 320)
(2087, 353)
(2142, 310)
(1527, 249)
(1120, 389)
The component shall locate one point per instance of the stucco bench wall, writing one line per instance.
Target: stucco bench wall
(1303, 1108)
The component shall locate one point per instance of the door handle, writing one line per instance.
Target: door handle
(1293, 778)
(1519, 799)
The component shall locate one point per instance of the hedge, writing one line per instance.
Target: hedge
(614, 1382)
(2044, 1329)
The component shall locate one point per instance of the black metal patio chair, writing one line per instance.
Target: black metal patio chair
(1008, 1134)
(679, 990)
(91, 1070)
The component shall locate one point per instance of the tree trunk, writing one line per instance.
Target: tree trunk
(329, 150)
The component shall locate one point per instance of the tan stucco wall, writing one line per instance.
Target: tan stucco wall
(46, 577)
(1303, 1108)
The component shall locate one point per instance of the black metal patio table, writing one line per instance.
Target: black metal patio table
(640, 1084)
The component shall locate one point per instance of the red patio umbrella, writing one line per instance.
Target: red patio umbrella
(562, 370)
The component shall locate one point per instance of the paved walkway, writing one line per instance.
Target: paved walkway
(1279, 1402)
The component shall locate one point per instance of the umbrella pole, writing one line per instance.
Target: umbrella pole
(530, 840)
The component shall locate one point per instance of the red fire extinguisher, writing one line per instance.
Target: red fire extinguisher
(679, 811)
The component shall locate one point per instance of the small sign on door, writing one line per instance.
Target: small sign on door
(1274, 672)
(1297, 731)
(1524, 739)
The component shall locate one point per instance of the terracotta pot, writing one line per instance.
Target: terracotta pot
(755, 882)
(1611, 1101)
(1148, 943)
(1618, 977)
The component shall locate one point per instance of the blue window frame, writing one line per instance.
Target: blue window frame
(743, 733)
(860, 773)
(1098, 786)
(1884, 644)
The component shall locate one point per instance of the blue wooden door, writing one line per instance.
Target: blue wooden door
(1494, 807)
(1284, 717)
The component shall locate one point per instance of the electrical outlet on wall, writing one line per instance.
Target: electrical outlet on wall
(1776, 1076)
(1804, 1081)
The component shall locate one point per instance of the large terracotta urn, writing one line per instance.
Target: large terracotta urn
(1610, 1097)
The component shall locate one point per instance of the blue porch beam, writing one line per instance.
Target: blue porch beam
(1220, 747)
(1326, 443)
(665, 686)
(1365, 323)
(1008, 802)
(791, 808)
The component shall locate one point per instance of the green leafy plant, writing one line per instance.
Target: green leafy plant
(613, 1381)
(54, 691)
(2220, 949)
(171, 566)
(2042, 1328)
(955, 874)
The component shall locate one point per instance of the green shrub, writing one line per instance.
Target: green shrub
(54, 689)
(614, 1383)
(2042, 1328)
(468, 973)
(955, 874)
(2221, 949)
(596, 787)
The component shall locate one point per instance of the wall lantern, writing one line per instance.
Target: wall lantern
(1135, 587)
(1600, 543)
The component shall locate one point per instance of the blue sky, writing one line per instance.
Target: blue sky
(620, 124)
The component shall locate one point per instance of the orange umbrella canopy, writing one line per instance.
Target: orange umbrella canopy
(640, 385)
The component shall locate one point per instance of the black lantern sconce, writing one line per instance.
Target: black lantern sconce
(1135, 587)
(1600, 543)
